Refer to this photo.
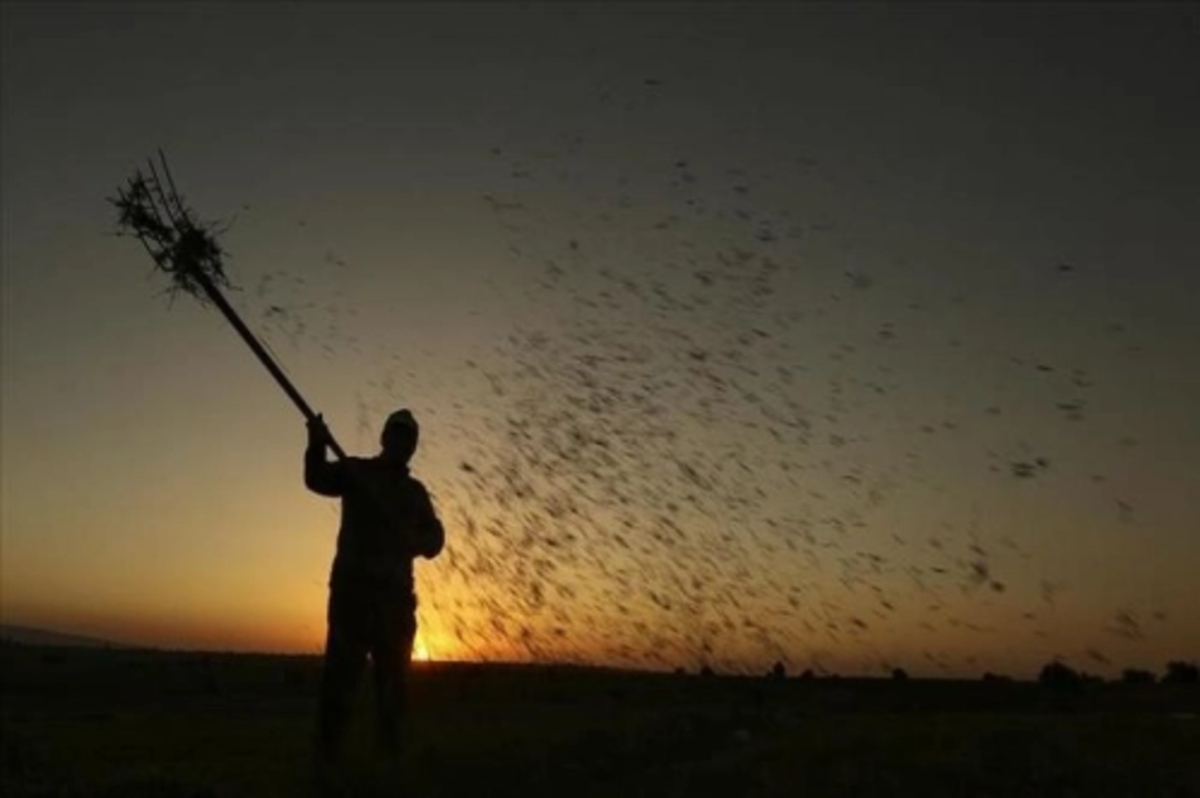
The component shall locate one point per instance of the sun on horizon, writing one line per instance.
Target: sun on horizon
(420, 653)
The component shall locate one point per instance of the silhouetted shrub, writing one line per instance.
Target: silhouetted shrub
(707, 672)
(808, 675)
(996, 677)
(1136, 676)
(1180, 672)
(1059, 676)
(778, 671)
(899, 675)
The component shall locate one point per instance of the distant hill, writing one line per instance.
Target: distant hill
(32, 636)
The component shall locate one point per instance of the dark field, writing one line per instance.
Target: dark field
(84, 722)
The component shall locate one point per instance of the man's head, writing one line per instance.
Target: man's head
(399, 436)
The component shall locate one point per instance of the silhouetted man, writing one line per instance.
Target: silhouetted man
(387, 521)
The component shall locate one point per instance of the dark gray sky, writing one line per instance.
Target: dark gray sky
(842, 334)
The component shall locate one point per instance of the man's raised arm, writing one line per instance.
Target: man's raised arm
(320, 475)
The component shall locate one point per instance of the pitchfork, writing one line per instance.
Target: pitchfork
(151, 209)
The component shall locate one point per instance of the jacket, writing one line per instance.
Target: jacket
(387, 519)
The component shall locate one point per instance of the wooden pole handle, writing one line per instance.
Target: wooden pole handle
(218, 299)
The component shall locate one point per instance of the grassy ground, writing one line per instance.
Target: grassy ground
(108, 723)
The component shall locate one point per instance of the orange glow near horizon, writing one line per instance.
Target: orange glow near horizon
(434, 642)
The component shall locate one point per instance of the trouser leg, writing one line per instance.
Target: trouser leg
(391, 664)
(345, 658)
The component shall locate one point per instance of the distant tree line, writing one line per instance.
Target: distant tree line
(1059, 675)
(1056, 674)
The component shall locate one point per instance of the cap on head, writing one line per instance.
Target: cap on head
(399, 435)
(403, 418)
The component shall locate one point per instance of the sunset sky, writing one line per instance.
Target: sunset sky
(849, 336)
